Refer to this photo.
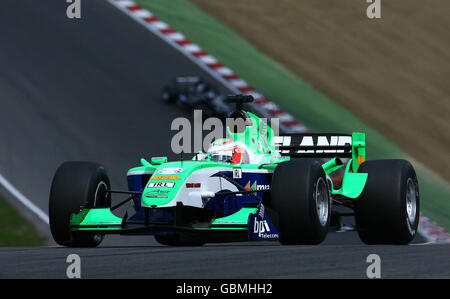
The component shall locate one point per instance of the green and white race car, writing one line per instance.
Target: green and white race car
(252, 185)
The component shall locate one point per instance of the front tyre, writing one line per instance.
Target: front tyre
(387, 211)
(301, 198)
(76, 185)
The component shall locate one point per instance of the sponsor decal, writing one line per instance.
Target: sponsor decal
(170, 170)
(257, 187)
(263, 230)
(262, 187)
(261, 211)
(259, 145)
(261, 227)
(156, 196)
(237, 173)
(159, 191)
(193, 185)
(161, 185)
(314, 140)
(166, 177)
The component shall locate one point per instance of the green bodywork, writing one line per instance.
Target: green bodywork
(102, 217)
(352, 182)
(238, 218)
(259, 138)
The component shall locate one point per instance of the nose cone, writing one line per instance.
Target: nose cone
(166, 183)
(159, 192)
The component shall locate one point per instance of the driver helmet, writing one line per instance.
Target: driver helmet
(227, 151)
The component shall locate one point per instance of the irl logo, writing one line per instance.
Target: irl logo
(374, 9)
(74, 9)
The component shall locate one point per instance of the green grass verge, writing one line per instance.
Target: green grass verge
(317, 111)
(15, 230)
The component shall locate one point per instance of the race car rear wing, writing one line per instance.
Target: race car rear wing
(323, 146)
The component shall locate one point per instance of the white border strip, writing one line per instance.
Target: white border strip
(25, 201)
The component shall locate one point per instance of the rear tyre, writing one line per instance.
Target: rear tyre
(387, 211)
(167, 95)
(177, 239)
(76, 185)
(301, 198)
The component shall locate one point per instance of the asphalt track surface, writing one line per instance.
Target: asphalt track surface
(229, 261)
(89, 89)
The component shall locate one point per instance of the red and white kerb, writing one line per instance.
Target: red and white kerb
(209, 63)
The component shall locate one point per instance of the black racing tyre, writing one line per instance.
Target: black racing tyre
(167, 95)
(76, 185)
(301, 198)
(387, 211)
(177, 239)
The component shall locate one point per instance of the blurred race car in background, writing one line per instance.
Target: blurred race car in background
(191, 92)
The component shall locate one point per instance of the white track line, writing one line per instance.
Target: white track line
(25, 201)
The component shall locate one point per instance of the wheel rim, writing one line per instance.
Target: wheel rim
(100, 194)
(321, 197)
(100, 199)
(411, 200)
(97, 238)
